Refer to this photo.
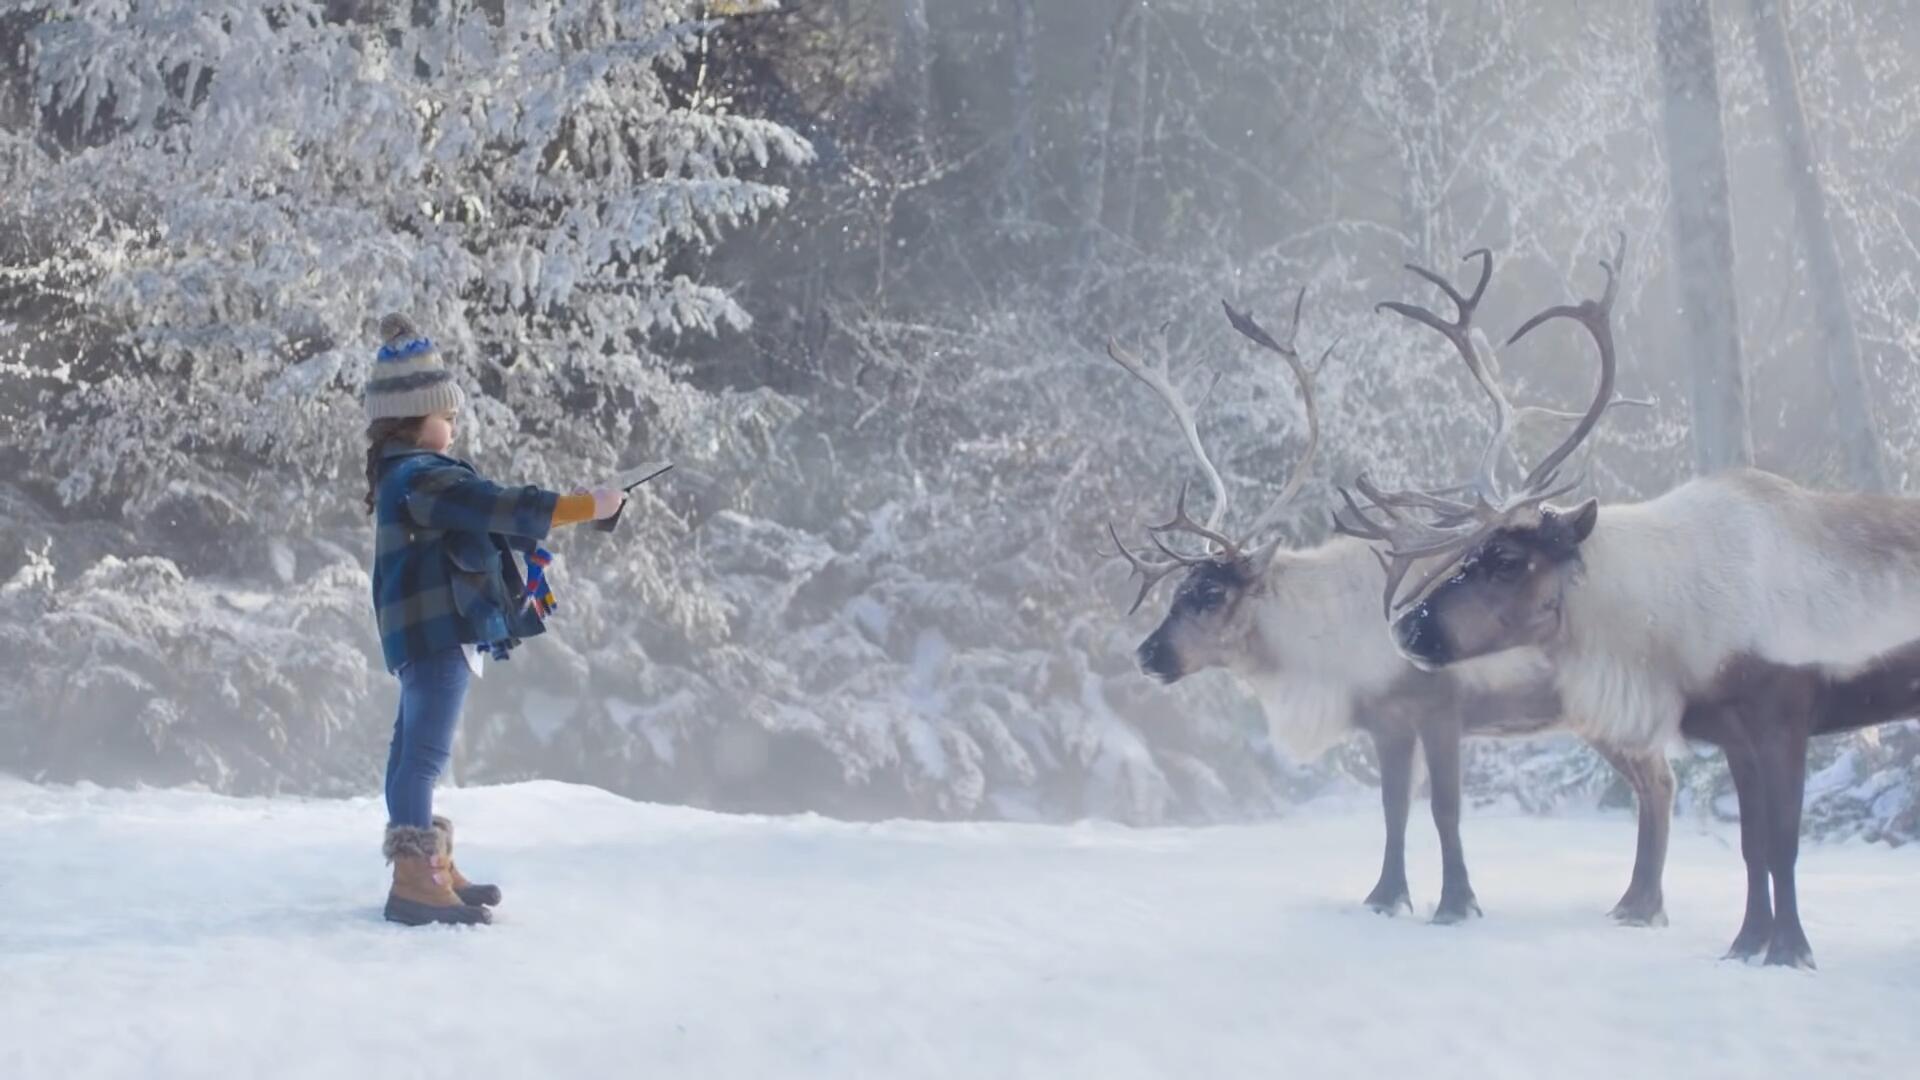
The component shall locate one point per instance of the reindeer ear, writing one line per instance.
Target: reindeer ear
(1263, 557)
(1581, 520)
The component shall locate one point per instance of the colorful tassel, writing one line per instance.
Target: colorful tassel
(539, 593)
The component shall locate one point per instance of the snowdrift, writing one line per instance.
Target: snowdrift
(174, 934)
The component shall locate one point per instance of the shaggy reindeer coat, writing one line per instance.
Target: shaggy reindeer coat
(1304, 634)
(1738, 608)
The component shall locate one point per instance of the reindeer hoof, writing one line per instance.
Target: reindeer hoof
(1451, 912)
(1750, 942)
(1651, 920)
(1390, 901)
(1790, 949)
(1636, 912)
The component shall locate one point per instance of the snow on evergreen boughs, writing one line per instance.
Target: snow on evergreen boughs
(132, 672)
(263, 181)
(871, 591)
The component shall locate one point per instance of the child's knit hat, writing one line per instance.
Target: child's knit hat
(408, 377)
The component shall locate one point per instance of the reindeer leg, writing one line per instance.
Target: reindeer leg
(1395, 749)
(1651, 778)
(1743, 761)
(1717, 723)
(1783, 753)
(1440, 736)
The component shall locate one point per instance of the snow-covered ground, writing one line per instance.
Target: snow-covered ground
(172, 934)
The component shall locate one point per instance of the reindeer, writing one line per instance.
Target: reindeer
(1738, 609)
(1299, 628)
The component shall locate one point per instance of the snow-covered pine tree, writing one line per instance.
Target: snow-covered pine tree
(247, 185)
(211, 202)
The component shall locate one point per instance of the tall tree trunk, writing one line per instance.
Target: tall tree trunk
(1420, 138)
(1094, 135)
(15, 96)
(912, 72)
(1020, 151)
(1839, 344)
(1701, 218)
(1134, 135)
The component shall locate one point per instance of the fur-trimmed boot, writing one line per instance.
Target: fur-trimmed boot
(422, 890)
(469, 893)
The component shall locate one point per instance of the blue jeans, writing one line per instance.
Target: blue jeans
(432, 689)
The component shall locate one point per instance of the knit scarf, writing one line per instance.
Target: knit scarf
(539, 593)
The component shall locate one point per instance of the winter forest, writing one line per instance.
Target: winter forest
(852, 266)
(1079, 549)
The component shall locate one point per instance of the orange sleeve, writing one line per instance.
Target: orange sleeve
(572, 510)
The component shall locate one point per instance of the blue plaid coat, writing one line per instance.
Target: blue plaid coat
(443, 568)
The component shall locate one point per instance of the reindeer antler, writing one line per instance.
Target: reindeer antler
(1408, 541)
(1149, 573)
(1161, 379)
(1596, 316)
(1452, 527)
(1184, 524)
(1459, 333)
(1245, 323)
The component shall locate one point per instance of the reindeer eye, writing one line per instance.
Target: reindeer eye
(1206, 595)
(1504, 564)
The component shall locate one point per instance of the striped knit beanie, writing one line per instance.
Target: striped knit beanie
(408, 377)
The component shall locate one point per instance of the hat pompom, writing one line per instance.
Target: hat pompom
(397, 328)
(408, 377)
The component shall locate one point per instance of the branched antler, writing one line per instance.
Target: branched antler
(1149, 573)
(1407, 539)
(1160, 378)
(1245, 323)
(1460, 334)
(1597, 317)
(1182, 523)
(1447, 528)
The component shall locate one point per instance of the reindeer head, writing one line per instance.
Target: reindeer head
(1207, 625)
(1497, 561)
(1210, 622)
(1506, 593)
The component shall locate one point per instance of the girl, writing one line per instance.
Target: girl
(446, 590)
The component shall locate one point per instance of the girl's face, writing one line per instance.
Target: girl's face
(436, 431)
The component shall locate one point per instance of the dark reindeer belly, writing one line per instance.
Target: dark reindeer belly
(1514, 724)
(1524, 708)
(1527, 707)
(1883, 690)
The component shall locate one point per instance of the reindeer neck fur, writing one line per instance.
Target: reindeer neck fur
(1322, 655)
(1736, 567)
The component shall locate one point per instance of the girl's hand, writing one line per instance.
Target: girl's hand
(607, 502)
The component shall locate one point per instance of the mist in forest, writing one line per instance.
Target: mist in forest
(853, 266)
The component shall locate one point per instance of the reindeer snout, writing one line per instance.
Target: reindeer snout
(1420, 638)
(1158, 659)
